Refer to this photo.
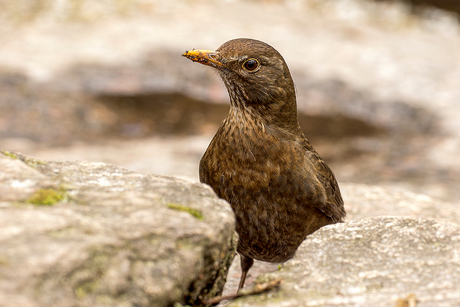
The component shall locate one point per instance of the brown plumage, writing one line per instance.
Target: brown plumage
(279, 187)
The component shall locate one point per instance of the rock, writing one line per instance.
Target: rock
(377, 261)
(362, 200)
(93, 234)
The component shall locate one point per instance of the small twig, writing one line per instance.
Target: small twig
(259, 288)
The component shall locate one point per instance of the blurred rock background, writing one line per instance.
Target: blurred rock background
(378, 83)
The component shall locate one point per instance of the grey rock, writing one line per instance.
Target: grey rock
(93, 234)
(377, 261)
(362, 200)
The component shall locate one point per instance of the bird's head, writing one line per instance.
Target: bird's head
(256, 76)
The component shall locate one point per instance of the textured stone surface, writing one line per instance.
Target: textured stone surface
(93, 234)
(370, 262)
(362, 200)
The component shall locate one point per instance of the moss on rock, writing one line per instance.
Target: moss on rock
(195, 212)
(10, 155)
(47, 197)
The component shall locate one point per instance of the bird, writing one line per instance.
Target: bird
(259, 161)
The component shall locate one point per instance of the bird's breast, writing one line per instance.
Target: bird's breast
(243, 159)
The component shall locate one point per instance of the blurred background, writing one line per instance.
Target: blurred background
(378, 83)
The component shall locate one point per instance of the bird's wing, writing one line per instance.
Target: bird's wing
(333, 207)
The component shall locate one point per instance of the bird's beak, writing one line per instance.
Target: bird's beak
(206, 57)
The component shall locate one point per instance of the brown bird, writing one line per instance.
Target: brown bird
(279, 187)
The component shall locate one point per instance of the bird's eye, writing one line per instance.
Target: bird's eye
(251, 64)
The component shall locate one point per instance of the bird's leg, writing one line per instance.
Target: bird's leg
(246, 264)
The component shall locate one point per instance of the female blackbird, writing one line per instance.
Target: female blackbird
(279, 187)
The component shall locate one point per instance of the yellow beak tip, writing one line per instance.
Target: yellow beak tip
(206, 57)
